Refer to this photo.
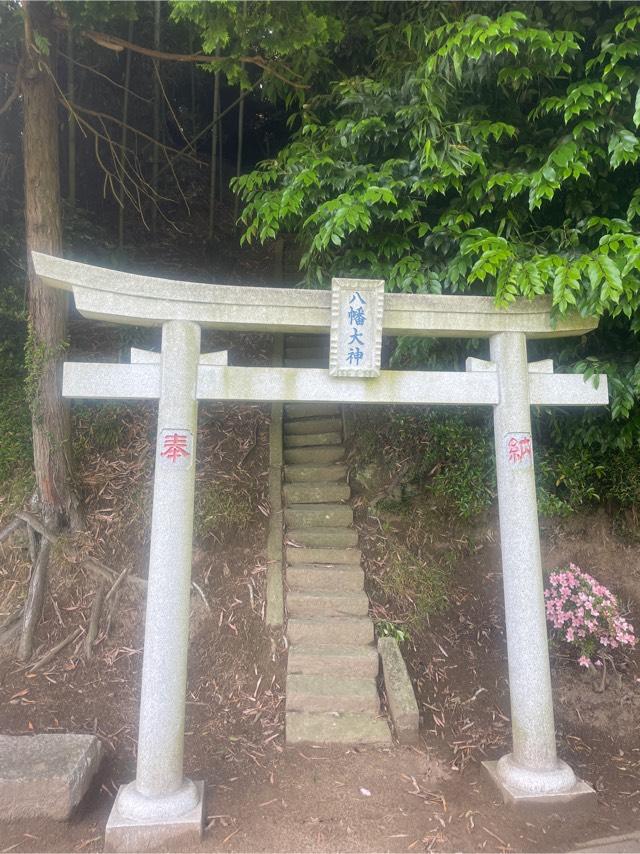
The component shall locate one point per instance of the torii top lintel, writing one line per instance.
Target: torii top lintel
(103, 294)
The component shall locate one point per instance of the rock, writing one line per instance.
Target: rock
(46, 775)
(402, 702)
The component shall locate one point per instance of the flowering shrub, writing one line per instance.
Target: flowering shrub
(586, 614)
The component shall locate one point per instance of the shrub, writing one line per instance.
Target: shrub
(586, 614)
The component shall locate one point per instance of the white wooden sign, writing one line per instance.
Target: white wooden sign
(357, 308)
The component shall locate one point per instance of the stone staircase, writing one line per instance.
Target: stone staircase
(332, 694)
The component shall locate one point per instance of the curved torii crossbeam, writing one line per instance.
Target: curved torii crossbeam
(161, 804)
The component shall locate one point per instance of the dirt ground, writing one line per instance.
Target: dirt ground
(264, 797)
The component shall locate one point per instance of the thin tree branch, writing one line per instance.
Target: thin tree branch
(120, 123)
(117, 44)
(168, 102)
(211, 124)
(105, 76)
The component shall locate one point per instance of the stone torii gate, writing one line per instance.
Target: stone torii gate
(161, 805)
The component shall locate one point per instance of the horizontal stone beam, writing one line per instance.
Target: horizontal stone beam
(568, 390)
(142, 382)
(110, 295)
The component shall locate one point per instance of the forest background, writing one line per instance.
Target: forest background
(445, 147)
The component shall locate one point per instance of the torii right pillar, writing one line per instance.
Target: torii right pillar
(532, 774)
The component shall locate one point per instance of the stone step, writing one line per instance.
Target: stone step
(314, 455)
(328, 604)
(313, 351)
(328, 693)
(294, 440)
(318, 515)
(313, 425)
(307, 363)
(303, 474)
(356, 661)
(297, 556)
(323, 728)
(316, 578)
(311, 410)
(303, 339)
(330, 630)
(318, 538)
(316, 493)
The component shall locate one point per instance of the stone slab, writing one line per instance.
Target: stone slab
(313, 578)
(304, 440)
(580, 797)
(628, 843)
(303, 474)
(331, 693)
(318, 728)
(400, 696)
(316, 493)
(124, 834)
(324, 556)
(315, 455)
(320, 538)
(313, 425)
(311, 410)
(274, 614)
(309, 362)
(355, 661)
(318, 515)
(46, 775)
(275, 436)
(274, 537)
(313, 351)
(330, 604)
(330, 630)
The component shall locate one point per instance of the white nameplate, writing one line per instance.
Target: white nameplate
(357, 307)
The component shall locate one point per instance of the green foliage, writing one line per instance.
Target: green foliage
(458, 464)
(292, 38)
(390, 629)
(486, 148)
(222, 510)
(15, 429)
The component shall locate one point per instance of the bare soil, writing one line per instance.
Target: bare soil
(262, 796)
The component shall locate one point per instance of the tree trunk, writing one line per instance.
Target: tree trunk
(123, 138)
(236, 202)
(47, 307)
(71, 122)
(156, 115)
(214, 147)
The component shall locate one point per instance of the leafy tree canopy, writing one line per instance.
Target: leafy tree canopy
(490, 149)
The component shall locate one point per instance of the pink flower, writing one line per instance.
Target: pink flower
(586, 612)
(584, 661)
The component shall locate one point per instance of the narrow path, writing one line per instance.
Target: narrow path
(332, 694)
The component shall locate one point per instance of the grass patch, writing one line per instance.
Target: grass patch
(222, 510)
(99, 427)
(419, 586)
(16, 452)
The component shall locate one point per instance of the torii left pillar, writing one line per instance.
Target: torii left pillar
(161, 806)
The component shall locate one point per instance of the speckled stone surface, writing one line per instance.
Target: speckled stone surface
(123, 834)
(104, 294)
(46, 775)
(402, 701)
(580, 796)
